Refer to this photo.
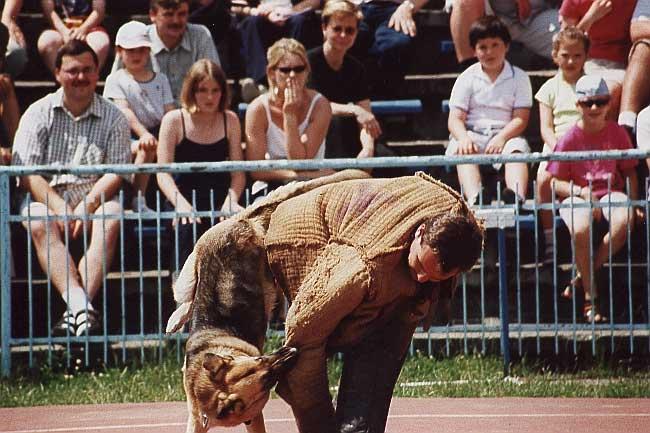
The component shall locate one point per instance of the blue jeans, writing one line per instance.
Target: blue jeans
(388, 49)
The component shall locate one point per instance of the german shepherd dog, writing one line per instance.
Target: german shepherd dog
(226, 379)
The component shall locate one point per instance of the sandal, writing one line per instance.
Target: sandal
(65, 326)
(88, 323)
(591, 312)
(567, 293)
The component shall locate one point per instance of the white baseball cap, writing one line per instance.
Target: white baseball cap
(590, 86)
(133, 35)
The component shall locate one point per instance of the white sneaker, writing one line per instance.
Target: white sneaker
(139, 204)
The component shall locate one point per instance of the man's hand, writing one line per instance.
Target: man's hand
(61, 211)
(368, 122)
(79, 33)
(598, 9)
(523, 10)
(16, 34)
(5, 155)
(402, 19)
(279, 16)
(466, 146)
(81, 211)
(495, 145)
(148, 143)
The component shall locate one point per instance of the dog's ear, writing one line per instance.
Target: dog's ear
(216, 365)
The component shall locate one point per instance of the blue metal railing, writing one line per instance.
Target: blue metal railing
(152, 289)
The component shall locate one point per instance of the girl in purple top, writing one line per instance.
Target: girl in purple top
(595, 181)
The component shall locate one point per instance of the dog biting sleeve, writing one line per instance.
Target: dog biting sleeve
(337, 283)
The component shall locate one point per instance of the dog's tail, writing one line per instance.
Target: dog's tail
(184, 289)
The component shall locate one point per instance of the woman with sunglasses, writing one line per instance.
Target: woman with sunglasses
(290, 121)
(343, 80)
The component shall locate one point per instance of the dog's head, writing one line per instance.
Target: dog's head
(233, 390)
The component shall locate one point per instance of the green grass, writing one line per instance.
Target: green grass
(460, 376)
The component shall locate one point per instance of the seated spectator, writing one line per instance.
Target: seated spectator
(203, 130)
(175, 44)
(385, 40)
(342, 80)
(558, 112)
(636, 86)
(608, 25)
(143, 96)
(266, 23)
(73, 20)
(489, 110)
(530, 22)
(9, 111)
(73, 126)
(16, 55)
(594, 181)
(290, 121)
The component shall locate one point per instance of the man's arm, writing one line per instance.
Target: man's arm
(402, 18)
(337, 284)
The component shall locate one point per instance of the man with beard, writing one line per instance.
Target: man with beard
(175, 44)
(73, 126)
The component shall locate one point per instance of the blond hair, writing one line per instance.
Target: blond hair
(203, 69)
(278, 50)
(340, 8)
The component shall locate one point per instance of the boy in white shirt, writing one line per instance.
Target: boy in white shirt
(143, 96)
(490, 106)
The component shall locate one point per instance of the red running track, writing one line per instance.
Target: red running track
(440, 415)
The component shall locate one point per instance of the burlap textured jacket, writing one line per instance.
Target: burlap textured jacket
(339, 252)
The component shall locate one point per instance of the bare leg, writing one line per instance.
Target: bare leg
(636, 86)
(91, 266)
(48, 44)
(140, 181)
(615, 101)
(544, 195)
(463, 14)
(517, 178)
(469, 178)
(53, 256)
(100, 43)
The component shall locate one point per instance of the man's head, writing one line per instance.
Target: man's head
(444, 246)
(170, 18)
(76, 69)
(593, 100)
(340, 22)
(490, 39)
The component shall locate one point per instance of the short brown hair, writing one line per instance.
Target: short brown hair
(456, 238)
(570, 33)
(200, 70)
(166, 4)
(74, 47)
(340, 8)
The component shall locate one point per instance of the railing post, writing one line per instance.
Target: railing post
(5, 274)
(503, 301)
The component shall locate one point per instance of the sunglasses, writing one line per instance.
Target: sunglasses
(288, 69)
(590, 102)
(348, 30)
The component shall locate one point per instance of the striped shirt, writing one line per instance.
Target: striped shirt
(48, 134)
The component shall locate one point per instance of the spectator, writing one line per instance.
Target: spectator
(291, 120)
(175, 44)
(385, 39)
(635, 93)
(643, 133)
(530, 22)
(9, 111)
(265, 24)
(143, 96)
(595, 181)
(490, 107)
(72, 19)
(16, 55)
(203, 130)
(558, 112)
(342, 79)
(73, 126)
(608, 25)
